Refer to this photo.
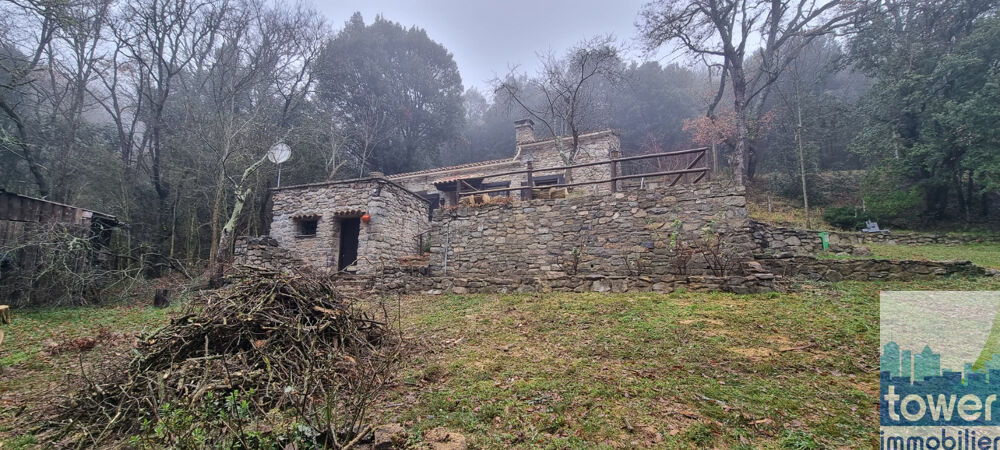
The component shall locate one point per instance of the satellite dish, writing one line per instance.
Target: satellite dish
(279, 153)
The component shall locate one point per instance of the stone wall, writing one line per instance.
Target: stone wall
(405, 283)
(867, 269)
(627, 233)
(905, 238)
(774, 239)
(398, 217)
(263, 251)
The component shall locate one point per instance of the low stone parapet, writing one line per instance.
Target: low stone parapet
(263, 251)
(775, 239)
(867, 269)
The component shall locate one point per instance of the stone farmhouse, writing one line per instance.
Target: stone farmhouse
(532, 223)
(529, 222)
(362, 224)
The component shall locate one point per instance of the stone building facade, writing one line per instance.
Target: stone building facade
(322, 224)
(439, 185)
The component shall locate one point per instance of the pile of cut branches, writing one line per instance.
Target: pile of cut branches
(285, 341)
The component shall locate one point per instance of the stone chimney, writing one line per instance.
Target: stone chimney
(524, 131)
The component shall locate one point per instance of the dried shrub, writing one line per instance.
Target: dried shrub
(682, 257)
(271, 359)
(572, 264)
(721, 258)
(682, 251)
(636, 265)
(58, 265)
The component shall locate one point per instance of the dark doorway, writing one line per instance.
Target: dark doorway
(349, 229)
(433, 199)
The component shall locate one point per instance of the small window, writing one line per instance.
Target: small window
(549, 180)
(497, 185)
(306, 226)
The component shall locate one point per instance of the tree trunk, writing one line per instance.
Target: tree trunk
(225, 245)
(162, 298)
(742, 123)
(26, 151)
(213, 252)
(802, 157)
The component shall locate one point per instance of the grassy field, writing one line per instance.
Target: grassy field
(682, 370)
(678, 370)
(42, 346)
(783, 214)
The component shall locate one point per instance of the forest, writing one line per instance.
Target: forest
(161, 113)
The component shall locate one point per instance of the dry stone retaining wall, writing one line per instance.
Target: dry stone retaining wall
(774, 239)
(263, 251)
(867, 269)
(401, 282)
(627, 233)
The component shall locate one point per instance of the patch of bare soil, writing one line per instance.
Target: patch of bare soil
(754, 352)
(443, 439)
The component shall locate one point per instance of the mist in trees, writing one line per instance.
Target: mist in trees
(159, 112)
(930, 118)
(162, 112)
(394, 94)
(569, 95)
(814, 122)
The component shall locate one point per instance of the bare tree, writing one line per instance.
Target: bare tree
(70, 71)
(30, 28)
(336, 147)
(755, 41)
(160, 40)
(565, 96)
(252, 81)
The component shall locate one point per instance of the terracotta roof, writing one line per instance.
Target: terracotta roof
(348, 212)
(456, 178)
(445, 169)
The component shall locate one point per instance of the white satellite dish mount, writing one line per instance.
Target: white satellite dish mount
(279, 153)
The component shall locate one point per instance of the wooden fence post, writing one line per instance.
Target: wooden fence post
(526, 194)
(615, 154)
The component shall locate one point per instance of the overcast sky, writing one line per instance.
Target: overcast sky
(487, 37)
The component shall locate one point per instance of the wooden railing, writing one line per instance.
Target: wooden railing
(615, 163)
